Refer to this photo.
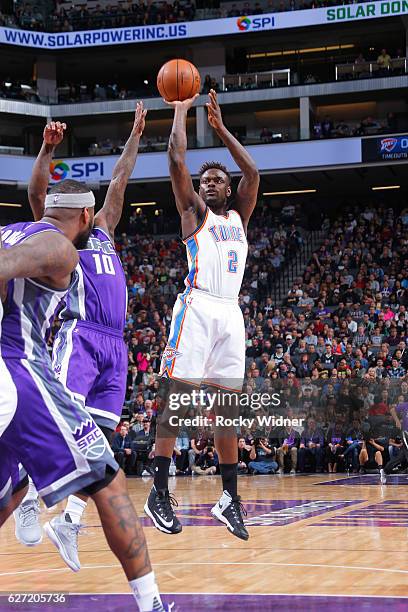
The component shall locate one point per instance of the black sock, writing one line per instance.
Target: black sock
(161, 472)
(229, 473)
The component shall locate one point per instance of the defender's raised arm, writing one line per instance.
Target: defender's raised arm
(53, 135)
(109, 215)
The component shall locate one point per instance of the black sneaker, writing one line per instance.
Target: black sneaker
(159, 508)
(229, 511)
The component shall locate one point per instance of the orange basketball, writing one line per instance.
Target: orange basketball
(178, 79)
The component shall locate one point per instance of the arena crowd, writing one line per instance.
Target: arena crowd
(335, 352)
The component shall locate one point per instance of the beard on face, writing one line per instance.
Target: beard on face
(82, 238)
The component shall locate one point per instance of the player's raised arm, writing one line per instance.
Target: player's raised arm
(109, 215)
(247, 192)
(53, 135)
(189, 204)
(47, 255)
(3, 284)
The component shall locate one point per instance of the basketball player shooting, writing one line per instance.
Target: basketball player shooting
(207, 336)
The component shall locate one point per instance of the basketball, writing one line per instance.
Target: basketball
(178, 79)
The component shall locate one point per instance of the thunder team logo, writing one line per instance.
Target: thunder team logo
(388, 144)
(58, 170)
(243, 23)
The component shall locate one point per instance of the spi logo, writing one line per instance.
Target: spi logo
(266, 22)
(388, 144)
(77, 170)
(58, 170)
(243, 23)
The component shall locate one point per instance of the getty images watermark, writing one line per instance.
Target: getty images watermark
(223, 400)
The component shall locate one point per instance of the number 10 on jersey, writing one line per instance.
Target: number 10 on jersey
(104, 264)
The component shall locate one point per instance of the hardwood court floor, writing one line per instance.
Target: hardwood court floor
(345, 537)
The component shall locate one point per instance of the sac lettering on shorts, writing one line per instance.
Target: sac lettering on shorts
(90, 439)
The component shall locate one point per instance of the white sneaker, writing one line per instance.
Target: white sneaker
(172, 469)
(229, 511)
(28, 527)
(65, 537)
(146, 473)
(292, 471)
(383, 478)
(281, 471)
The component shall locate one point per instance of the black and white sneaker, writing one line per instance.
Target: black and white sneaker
(405, 438)
(229, 511)
(159, 508)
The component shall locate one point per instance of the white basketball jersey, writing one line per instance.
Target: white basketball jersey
(216, 255)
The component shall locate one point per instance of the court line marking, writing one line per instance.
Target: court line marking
(256, 563)
(261, 594)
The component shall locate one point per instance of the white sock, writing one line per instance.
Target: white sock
(74, 509)
(32, 491)
(146, 592)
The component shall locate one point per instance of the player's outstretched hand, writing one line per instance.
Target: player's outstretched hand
(140, 116)
(214, 111)
(54, 133)
(185, 104)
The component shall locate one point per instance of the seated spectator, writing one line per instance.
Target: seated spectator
(206, 463)
(262, 457)
(288, 440)
(353, 444)
(370, 455)
(311, 447)
(243, 456)
(335, 446)
(182, 446)
(142, 445)
(198, 443)
(122, 450)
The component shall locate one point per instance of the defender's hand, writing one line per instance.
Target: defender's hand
(54, 133)
(214, 111)
(185, 104)
(139, 122)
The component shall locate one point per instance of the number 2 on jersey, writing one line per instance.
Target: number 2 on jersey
(232, 261)
(104, 264)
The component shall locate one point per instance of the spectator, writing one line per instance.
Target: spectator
(206, 462)
(142, 445)
(288, 441)
(311, 447)
(262, 457)
(122, 450)
(243, 456)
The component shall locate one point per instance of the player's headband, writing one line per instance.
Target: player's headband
(70, 200)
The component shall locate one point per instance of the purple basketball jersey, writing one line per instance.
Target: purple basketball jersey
(30, 307)
(99, 294)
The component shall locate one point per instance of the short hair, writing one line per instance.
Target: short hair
(69, 186)
(210, 165)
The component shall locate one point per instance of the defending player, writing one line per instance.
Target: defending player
(89, 354)
(207, 336)
(44, 431)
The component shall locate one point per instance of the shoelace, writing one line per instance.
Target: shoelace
(28, 514)
(166, 502)
(72, 530)
(238, 509)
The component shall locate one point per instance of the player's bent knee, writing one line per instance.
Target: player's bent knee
(97, 486)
